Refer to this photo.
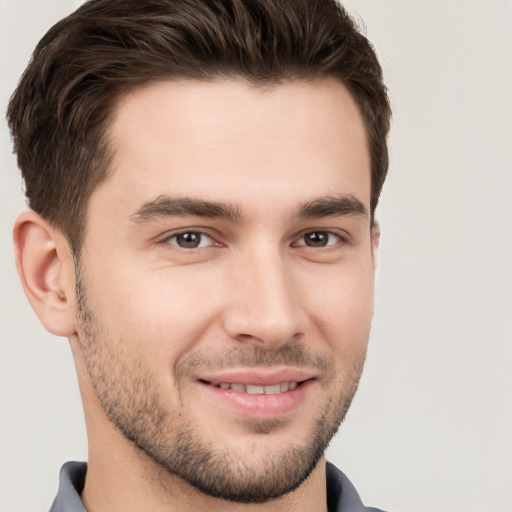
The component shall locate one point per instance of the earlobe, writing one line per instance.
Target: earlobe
(375, 236)
(45, 266)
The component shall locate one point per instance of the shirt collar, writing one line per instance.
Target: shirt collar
(341, 494)
(71, 483)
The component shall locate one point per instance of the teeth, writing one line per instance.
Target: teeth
(251, 389)
(273, 390)
(255, 390)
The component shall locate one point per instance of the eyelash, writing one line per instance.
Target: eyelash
(330, 234)
(172, 239)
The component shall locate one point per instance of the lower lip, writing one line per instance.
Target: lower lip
(262, 407)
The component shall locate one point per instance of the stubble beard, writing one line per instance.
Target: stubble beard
(130, 397)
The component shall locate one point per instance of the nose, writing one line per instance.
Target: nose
(264, 303)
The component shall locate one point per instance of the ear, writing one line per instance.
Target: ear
(375, 236)
(46, 269)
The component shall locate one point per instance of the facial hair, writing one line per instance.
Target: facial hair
(130, 396)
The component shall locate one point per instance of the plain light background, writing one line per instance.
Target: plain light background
(431, 427)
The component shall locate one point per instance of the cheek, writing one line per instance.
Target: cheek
(342, 307)
(161, 313)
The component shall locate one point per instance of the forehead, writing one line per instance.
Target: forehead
(230, 141)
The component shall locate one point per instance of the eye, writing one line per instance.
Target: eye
(318, 239)
(190, 240)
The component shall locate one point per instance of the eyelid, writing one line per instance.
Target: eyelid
(166, 239)
(343, 238)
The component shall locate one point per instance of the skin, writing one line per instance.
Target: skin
(153, 318)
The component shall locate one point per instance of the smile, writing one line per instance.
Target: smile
(258, 394)
(252, 389)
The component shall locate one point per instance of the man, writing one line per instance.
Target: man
(203, 178)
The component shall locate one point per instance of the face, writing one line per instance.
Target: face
(226, 280)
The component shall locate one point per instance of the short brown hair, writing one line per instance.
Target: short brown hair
(59, 113)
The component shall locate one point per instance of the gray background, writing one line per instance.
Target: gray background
(431, 427)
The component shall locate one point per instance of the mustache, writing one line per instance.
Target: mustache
(291, 354)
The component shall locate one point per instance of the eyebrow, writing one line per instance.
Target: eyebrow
(332, 206)
(166, 206)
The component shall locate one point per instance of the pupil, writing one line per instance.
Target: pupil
(316, 239)
(189, 240)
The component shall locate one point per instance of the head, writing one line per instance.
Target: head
(213, 169)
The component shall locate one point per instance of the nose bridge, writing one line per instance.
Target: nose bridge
(264, 305)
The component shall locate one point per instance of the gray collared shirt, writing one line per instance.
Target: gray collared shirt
(341, 494)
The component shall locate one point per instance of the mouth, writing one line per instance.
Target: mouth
(258, 394)
(254, 389)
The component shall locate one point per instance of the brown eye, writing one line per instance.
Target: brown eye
(190, 240)
(318, 239)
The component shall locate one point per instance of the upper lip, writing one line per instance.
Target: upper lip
(258, 376)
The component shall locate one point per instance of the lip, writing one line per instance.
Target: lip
(260, 407)
(259, 376)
